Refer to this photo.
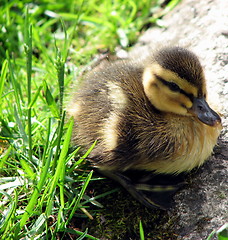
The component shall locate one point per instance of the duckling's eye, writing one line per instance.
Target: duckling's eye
(173, 87)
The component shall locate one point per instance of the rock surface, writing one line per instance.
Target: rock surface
(201, 26)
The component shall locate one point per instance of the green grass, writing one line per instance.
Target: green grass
(43, 48)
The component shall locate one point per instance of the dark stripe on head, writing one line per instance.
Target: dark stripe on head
(174, 87)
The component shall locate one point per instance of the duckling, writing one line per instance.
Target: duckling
(150, 120)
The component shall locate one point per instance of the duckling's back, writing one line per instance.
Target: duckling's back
(103, 102)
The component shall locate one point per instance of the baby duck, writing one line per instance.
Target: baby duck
(149, 118)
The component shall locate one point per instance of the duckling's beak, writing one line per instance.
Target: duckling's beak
(204, 113)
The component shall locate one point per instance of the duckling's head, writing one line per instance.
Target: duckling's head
(174, 82)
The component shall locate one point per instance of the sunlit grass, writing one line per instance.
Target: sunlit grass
(43, 46)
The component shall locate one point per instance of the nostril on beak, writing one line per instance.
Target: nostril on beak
(200, 108)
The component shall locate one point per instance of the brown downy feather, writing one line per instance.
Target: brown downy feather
(113, 107)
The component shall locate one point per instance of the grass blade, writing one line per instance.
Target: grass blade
(35, 97)
(81, 234)
(4, 154)
(60, 169)
(60, 67)
(3, 77)
(16, 86)
(141, 231)
(223, 232)
(22, 132)
(50, 101)
(28, 51)
(76, 205)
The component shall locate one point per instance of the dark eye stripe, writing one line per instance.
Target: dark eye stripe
(174, 87)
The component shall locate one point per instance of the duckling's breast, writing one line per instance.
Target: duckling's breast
(192, 143)
(199, 141)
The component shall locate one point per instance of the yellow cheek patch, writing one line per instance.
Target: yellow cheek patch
(161, 96)
(184, 100)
